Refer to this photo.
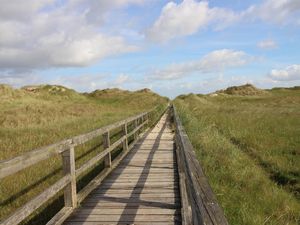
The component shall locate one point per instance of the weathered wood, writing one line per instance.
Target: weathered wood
(61, 216)
(92, 185)
(185, 210)
(70, 193)
(8, 167)
(134, 132)
(106, 144)
(98, 179)
(119, 211)
(140, 204)
(11, 166)
(142, 181)
(126, 218)
(92, 162)
(135, 125)
(35, 203)
(101, 155)
(204, 206)
(125, 142)
(80, 139)
(125, 223)
(147, 119)
(141, 191)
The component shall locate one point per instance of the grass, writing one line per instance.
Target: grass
(249, 147)
(43, 115)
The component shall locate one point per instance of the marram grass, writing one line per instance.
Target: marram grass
(249, 149)
(29, 120)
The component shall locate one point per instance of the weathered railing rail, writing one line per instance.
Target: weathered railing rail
(199, 205)
(68, 181)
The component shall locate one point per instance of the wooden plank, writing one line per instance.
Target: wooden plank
(139, 190)
(138, 195)
(92, 185)
(106, 145)
(61, 216)
(135, 125)
(141, 175)
(97, 158)
(157, 163)
(185, 206)
(11, 166)
(205, 208)
(117, 200)
(141, 185)
(124, 223)
(70, 193)
(142, 181)
(92, 162)
(124, 217)
(132, 211)
(125, 142)
(141, 204)
(136, 130)
(36, 202)
(80, 139)
(97, 180)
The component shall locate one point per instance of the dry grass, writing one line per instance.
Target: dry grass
(37, 116)
(249, 149)
(244, 90)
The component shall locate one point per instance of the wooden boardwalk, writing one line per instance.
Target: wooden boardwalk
(143, 189)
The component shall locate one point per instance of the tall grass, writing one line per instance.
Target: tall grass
(32, 120)
(249, 149)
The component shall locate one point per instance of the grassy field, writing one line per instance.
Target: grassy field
(35, 117)
(249, 147)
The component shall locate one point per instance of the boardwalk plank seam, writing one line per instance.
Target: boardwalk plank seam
(143, 189)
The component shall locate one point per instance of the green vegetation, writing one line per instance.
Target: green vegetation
(36, 116)
(248, 143)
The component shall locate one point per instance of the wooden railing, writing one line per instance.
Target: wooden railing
(68, 181)
(199, 205)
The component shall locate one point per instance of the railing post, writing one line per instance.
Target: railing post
(143, 121)
(147, 119)
(106, 144)
(70, 195)
(125, 142)
(135, 126)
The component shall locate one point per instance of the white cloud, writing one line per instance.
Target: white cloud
(21, 79)
(187, 18)
(267, 44)
(191, 16)
(39, 34)
(91, 82)
(81, 82)
(216, 61)
(121, 79)
(17, 11)
(290, 73)
(97, 11)
(275, 11)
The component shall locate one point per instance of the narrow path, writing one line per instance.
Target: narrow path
(143, 189)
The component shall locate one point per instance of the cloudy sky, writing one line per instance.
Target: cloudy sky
(172, 47)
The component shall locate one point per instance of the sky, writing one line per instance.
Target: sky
(171, 47)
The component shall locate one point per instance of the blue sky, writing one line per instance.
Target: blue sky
(172, 47)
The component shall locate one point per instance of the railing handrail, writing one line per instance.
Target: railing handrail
(199, 204)
(68, 181)
(11, 166)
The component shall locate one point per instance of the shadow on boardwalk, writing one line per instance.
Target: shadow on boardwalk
(142, 189)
